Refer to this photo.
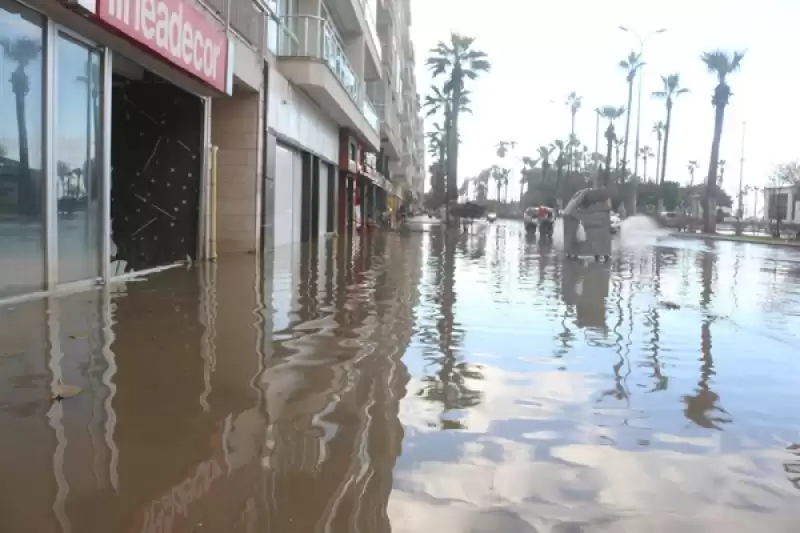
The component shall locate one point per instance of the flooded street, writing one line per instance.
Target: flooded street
(411, 382)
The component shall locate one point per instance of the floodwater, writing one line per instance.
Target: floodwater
(413, 382)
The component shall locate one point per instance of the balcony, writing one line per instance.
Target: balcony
(312, 57)
(245, 17)
(357, 17)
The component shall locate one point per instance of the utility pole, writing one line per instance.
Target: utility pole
(638, 107)
(741, 177)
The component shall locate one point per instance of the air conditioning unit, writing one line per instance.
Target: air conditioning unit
(84, 7)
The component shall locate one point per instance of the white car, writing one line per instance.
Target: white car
(491, 217)
(616, 223)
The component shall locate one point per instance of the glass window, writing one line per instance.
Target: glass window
(22, 220)
(78, 179)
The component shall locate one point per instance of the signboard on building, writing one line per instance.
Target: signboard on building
(176, 30)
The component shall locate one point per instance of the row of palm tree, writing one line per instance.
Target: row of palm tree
(452, 63)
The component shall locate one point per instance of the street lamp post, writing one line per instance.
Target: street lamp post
(639, 103)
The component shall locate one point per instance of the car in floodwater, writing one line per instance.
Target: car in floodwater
(491, 217)
(542, 217)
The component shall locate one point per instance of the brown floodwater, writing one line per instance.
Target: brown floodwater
(412, 382)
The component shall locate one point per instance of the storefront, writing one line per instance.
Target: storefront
(374, 187)
(350, 153)
(103, 160)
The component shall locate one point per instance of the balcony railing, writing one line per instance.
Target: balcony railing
(245, 17)
(369, 113)
(314, 37)
(370, 11)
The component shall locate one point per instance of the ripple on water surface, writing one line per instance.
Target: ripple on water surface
(403, 382)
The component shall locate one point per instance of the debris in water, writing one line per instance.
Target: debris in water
(62, 392)
(670, 305)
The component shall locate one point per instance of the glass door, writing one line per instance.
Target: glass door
(77, 182)
(22, 187)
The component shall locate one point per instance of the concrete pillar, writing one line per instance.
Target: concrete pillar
(235, 125)
(354, 49)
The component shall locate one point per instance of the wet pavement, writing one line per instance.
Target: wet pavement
(412, 382)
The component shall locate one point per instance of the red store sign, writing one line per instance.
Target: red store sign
(175, 30)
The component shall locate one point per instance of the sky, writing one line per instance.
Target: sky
(540, 52)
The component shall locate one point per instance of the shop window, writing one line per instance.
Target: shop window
(352, 151)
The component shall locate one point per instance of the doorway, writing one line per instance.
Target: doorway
(157, 132)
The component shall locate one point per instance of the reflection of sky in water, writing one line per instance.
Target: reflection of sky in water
(613, 426)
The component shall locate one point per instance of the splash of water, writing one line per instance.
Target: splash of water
(640, 231)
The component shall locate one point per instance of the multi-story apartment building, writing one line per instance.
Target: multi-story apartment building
(195, 127)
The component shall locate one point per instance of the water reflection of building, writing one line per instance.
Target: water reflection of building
(333, 388)
(163, 432)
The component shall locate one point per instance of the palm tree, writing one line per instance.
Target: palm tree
(545, 152)
(574, 103)
(504, 148)
(500, 176)
(658, 129)
(458, 62)
(22, 51)
(693, 165)
(631, 65)
(721, 64)
(611, 114)
(528, 166)
(618, 143)
(645, 152)
(672, 89)
(483, 183)
(439, 102)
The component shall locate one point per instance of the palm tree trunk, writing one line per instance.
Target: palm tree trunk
(667, 127)
(571, 147)
(709, 213)
(658, 158)
(627, 131)
(26, 186)
(609, 137)
(644, 169)
(452, 155)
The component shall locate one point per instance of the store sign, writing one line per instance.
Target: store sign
(177, 31)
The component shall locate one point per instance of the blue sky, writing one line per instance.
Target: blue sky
(542, 51)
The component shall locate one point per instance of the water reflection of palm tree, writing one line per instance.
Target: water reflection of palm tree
(22, 51)
(654, 320)
(92, 81)
(448, 384)
(703, 408)
(620, 389)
